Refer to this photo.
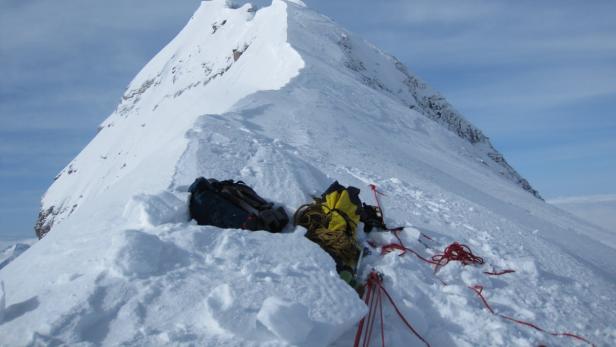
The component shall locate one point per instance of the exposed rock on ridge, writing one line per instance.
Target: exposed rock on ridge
(417, 95)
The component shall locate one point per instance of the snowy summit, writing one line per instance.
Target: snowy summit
(282, 98)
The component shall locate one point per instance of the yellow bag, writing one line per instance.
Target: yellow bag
(344, 212)
(332, 221)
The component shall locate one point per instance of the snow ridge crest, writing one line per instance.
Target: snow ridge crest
(285, 100)
(365, 60)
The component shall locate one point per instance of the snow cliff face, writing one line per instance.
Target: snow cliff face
(285, 100)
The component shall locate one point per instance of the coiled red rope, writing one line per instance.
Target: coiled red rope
(374, 300)
(456, 252)
(453, 252)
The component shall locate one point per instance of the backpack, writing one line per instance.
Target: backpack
(331, 221)
(229, 204)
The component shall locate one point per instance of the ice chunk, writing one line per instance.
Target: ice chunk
(287, 320)
(146, 210)
(140, 254)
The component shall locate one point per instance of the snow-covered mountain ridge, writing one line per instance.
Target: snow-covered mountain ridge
(287, 101)
(188, 63)
(173, 85)
(417, 95)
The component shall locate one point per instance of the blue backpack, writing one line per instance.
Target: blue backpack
(229, 204)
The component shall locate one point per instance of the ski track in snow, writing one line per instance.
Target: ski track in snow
(123, 266)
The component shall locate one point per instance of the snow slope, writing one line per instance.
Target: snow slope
(287, 101)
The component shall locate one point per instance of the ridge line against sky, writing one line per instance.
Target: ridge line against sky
(537, 78)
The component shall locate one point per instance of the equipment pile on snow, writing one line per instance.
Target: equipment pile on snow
(331, 221)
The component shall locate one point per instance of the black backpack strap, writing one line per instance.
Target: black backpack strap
(251, 197)
(275, 219)
(244, 196)
(237, 200)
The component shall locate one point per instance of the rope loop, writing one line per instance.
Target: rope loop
(456, 252)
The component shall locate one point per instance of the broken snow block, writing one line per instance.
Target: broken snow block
(287, 320)
(147, 210)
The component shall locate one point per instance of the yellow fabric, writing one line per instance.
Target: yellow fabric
(337, 244)
(332, 224)
(340, 201)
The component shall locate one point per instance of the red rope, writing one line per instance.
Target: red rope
(375, 301)
(380, 298)
(453, 252)
(367, 298)
(391, 247)
(401, 247)
(370, 326)
(421, 258)
(376, 193)
(478, 289)
(370, 287)
(456, 252)
(462, 253)
(402, 316)
(498, 273)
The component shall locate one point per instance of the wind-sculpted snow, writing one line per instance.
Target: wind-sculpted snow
(185, 284)
(198, 72)
(287, 101)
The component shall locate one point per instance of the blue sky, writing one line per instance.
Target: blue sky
(538, 77)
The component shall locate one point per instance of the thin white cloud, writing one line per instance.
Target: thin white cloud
(595, 209)
(583, 199)
(63, 23)
(492, 33)
(445, 12)
(575, 151)
(539, 88)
